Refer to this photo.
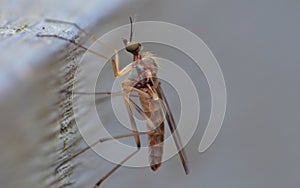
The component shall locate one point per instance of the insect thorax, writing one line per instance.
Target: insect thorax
(144, 71)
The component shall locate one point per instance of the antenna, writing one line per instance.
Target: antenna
(131, 29)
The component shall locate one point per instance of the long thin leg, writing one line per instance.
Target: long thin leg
(91, 93)
(124, 136)
(140, 112)
(136, 137)
(101, 140)
(132, 121)
(120, 93)
(115, 62)
(91, 37)
(117, 93)
(75, 43)
(129, 103)
(115, 168)
(135, 134)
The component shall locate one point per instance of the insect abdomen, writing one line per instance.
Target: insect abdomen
(156, 147)
(156, 137)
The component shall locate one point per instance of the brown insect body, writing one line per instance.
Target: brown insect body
(144, 78)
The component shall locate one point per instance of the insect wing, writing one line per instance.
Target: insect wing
(173, 129)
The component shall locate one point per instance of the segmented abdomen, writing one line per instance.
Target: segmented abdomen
(153, 110)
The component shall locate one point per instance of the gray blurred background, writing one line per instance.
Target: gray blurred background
(257, 46)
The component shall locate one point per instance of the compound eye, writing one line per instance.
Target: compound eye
(133, 47)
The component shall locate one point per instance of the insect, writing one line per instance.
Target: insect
(153, 109)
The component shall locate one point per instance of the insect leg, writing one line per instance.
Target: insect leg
(134, 128)
(132, 121)
(101, 140)
(108, 93)
(75, 43)
(140, 112)
(134, 133)
(115, 168)
(115, 62)
(91, 37)
(136, 137)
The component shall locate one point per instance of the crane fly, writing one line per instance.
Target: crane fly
(144, 84)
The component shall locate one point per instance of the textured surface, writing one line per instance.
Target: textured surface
(37, 124)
